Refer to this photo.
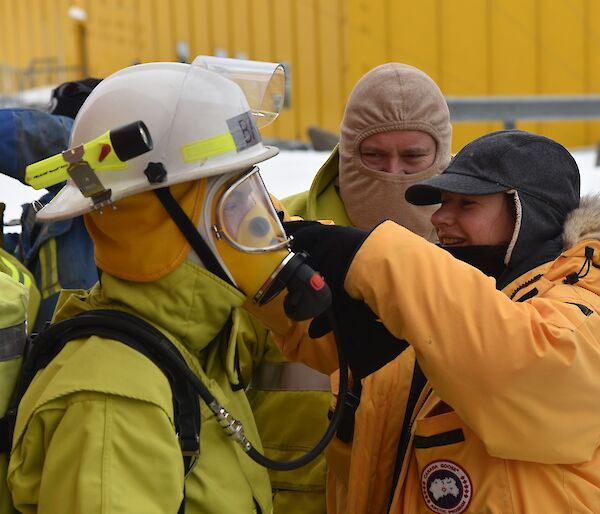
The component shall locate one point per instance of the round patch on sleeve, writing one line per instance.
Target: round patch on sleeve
(446, 487)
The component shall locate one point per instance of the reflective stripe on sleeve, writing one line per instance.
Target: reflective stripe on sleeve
(288, 376)
(16, 274)
(12, 342)
(49, 269)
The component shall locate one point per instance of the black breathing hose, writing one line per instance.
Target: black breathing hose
(261, 459)
(163, 347)
(234, 429)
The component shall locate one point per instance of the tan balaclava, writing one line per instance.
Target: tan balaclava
(392, 96)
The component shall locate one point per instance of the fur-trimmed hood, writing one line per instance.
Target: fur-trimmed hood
(583, 222)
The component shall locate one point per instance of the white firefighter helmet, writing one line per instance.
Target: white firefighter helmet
(199, 121)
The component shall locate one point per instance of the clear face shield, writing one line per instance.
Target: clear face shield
(244, 230)
(263, 83)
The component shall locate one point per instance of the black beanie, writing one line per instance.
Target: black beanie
(67, 99)
(543, 174)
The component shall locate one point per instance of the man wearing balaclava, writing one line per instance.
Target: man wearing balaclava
(395, 132)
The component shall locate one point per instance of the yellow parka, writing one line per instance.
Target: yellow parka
(521, 371)
(509, 420)
(95, 429)
(322, 201)
(15, 269)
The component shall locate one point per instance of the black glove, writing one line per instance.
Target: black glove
(331, 248)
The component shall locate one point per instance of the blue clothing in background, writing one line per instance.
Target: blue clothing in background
(60, 254)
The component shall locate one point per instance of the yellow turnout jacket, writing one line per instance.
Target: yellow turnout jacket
(95, 429)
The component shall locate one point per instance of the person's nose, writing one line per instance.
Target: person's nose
(442, 217)
(393, 165)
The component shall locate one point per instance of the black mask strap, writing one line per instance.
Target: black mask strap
(188, 229)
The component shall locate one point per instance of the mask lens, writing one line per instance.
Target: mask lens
(246, 216)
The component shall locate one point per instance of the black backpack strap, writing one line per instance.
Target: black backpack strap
(419, 380)
(137, 334)
(5, 434)
(345, 431)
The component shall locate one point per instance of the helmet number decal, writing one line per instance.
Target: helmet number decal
(243, 130)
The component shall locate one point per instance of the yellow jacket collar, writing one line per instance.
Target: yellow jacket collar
(190, 303)
(323, 201)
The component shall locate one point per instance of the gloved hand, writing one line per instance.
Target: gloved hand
(331, 248)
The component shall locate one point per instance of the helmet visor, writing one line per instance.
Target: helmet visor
(263, 83)
(246, 217)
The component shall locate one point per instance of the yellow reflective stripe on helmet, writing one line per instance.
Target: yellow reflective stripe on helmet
(16, 273)
(49, 269)
(205, 148)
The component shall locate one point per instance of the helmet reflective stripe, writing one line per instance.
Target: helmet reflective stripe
(242, 135)
(208, 147)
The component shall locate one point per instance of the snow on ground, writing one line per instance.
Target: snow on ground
(290, 172)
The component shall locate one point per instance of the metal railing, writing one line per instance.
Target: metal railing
(18, 85)
(510, 109)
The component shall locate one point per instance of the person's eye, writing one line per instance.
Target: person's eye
(371, 155)
(415, 156)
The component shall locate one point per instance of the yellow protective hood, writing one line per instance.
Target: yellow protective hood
(138, 240)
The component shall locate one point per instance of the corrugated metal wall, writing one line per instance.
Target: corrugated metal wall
(470, 47)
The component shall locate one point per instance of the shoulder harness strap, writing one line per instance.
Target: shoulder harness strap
(416, 387)
(135, 333)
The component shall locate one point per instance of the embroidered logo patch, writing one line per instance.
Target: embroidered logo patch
(446, 488)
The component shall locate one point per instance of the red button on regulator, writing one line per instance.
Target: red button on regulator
(317, 282)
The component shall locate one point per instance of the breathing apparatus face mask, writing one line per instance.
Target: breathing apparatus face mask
(244, 233)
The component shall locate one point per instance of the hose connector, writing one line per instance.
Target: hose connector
(231, 426)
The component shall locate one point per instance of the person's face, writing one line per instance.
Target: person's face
(239, 203)
(398, 151)
(464, 220)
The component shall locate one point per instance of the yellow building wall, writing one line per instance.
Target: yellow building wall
(470, 47)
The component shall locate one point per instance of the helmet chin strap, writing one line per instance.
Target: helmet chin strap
(188, 229)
